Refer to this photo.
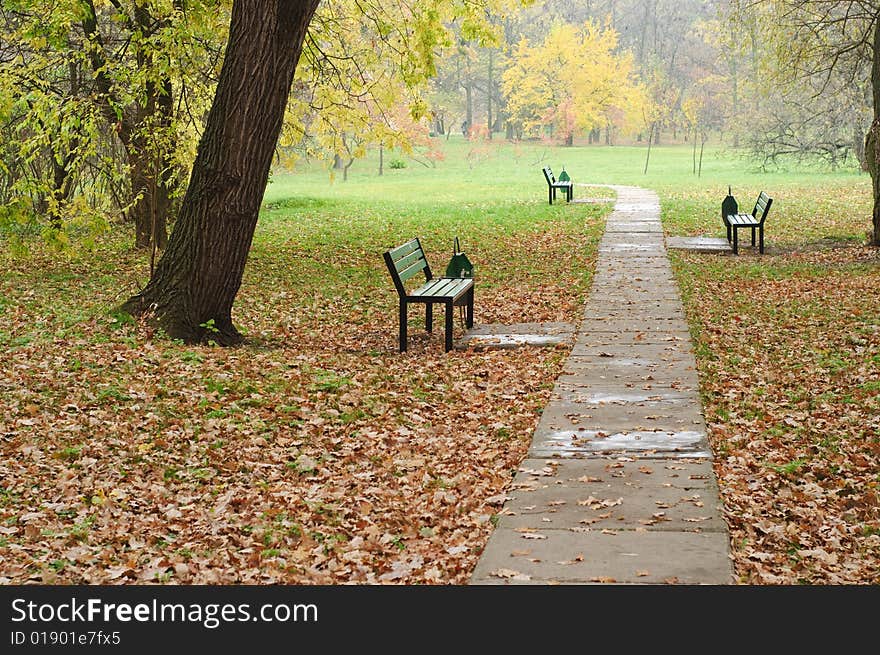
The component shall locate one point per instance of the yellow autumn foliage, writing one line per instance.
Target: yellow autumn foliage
(574, 81)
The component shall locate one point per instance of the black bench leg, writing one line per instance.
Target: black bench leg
(402, 326)
(735, 243)
(429, 317)
(469, 313)
(761, 239)
(448, 330)
(753, 237)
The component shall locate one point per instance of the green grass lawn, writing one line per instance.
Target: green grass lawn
(812, 205)
(318, 453)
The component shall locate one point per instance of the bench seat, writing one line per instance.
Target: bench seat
(442, 288)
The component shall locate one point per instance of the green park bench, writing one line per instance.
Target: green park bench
(553, 184)
(405, 262)
(736, 222)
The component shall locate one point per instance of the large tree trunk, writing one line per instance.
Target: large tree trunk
(872, 142)
(191, 292)
(150, 166)
(150, 185)
(149, 172)
(62, 185)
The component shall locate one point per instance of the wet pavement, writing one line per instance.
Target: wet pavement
(618, 485)
(520, 334)
(699, 244)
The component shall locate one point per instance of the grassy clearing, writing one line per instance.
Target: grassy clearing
(314, 454)
(317, 453)
(788, 349)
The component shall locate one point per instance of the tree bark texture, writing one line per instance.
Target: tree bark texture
(149, 173)
(872, 154)
(150, 168)
(872, 141)
(872, 145)
(192, 290)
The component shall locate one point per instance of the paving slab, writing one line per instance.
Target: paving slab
(623, 352)
(580, 443)
(623, 262)
(582, 389)
(618, 485)
(641, 238)
(603, 556)
(637, 323)
(635, 227)
(699, 244)
(611, 303)
(584, 421)
(633, 376)
(657, 495)
(653, 313)
(600, 341)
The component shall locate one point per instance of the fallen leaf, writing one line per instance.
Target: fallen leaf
(504, 573)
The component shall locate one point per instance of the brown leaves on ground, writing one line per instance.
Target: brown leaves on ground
(315, 454)
(789, 356)
(142, 465)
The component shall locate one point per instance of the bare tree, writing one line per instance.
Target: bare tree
(832, 44)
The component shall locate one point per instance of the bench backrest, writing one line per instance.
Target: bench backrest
(406, 261)
(762, 206)
(548, 175)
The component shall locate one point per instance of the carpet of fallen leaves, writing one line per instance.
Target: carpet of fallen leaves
(788, 348)
(316, 453)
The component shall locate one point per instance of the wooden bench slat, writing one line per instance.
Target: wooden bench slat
(413, 269)
(408, 260)
(443, 288)
(438, 288)
(405, 249)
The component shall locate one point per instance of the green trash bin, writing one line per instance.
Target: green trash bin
(563, 176)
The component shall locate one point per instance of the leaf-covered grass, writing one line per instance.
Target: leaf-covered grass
(823, 213)
(788, 350)
(318, 454)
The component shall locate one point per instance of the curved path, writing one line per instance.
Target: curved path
(618, 485)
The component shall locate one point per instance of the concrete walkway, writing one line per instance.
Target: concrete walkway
(618, 485)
